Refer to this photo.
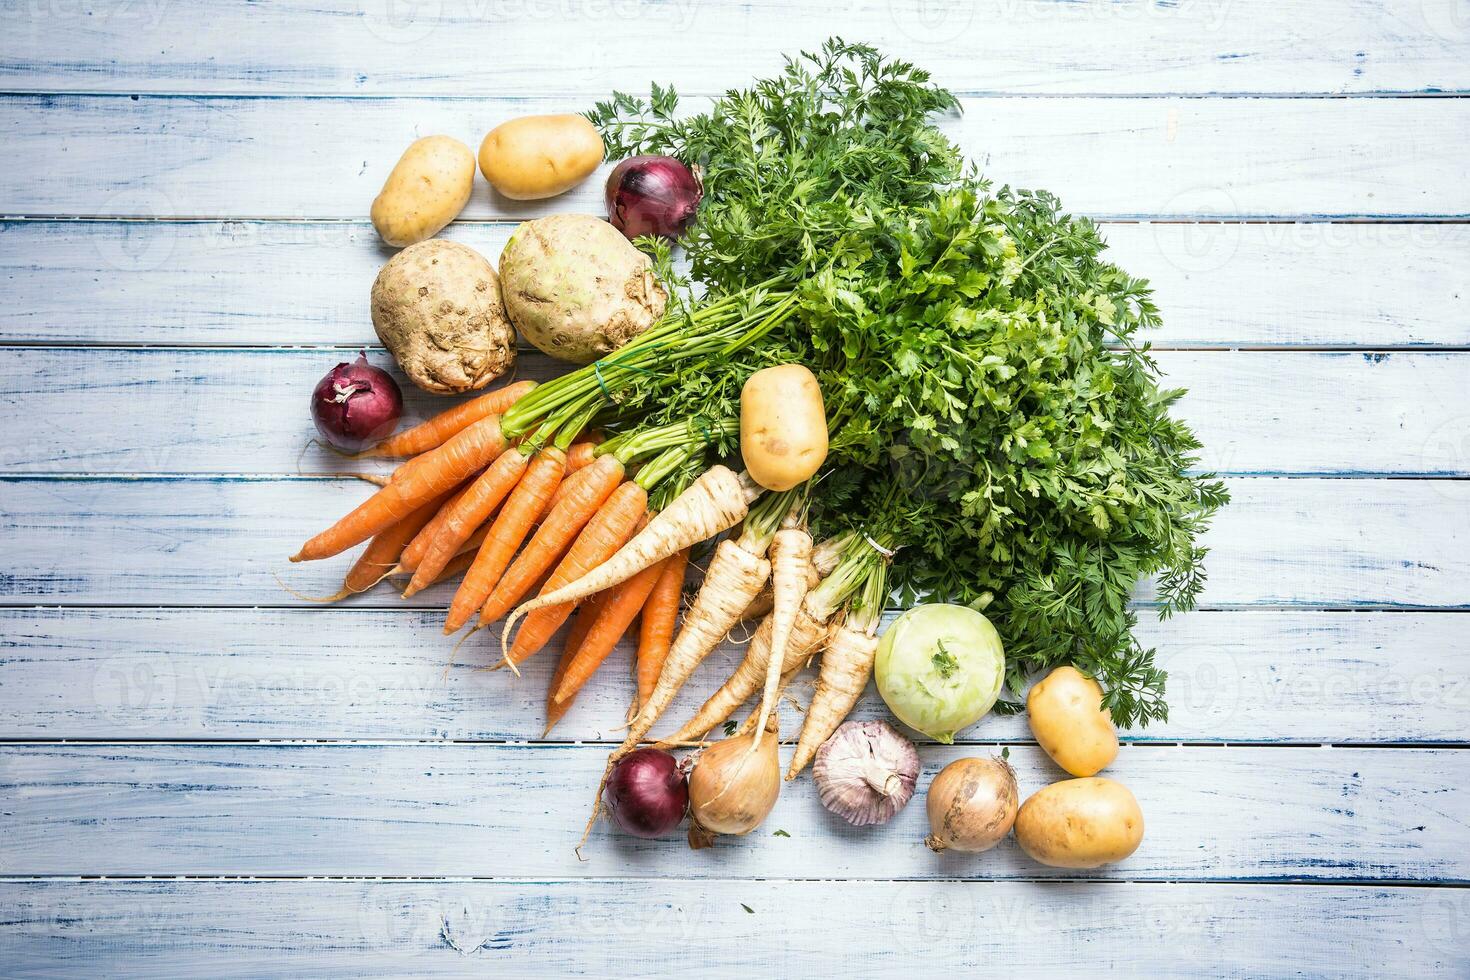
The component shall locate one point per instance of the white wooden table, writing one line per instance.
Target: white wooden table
(202, 776)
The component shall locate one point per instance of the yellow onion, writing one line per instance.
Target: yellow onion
(732, 788)
(972, 804)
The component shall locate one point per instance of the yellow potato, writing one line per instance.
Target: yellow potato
(1080, 823)
(427, 189)
(540, 156)
(1068, 719)
(783, 426)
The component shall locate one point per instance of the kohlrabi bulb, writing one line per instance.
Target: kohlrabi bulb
(940, 668)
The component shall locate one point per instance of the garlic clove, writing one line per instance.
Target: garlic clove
(866, 772)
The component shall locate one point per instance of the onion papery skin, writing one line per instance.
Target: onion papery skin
(653, 195)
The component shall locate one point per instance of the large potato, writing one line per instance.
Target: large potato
(437, 308)
(540, 156)
(783, 426)
(427, 189)
(1080, 823)
(1068, 719)
(576, 288)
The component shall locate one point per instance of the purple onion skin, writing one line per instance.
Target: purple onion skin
(356, 405)
(647, 794)
(652, 195)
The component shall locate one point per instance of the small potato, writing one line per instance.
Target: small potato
(1068, 719)
(427, 189)
(783, 426)
(540, 156)
(1080, 823)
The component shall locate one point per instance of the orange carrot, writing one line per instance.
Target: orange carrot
(660, 616)
(568, 484)
(582, 453)
(455, 567)
(617, 613)
(614, 523)
(511, 526)
(468, 548)
(426, 477)
(382, 552)
(419, 546)
(552, 538)
(581, 623)
(472, 509)
(437, 430)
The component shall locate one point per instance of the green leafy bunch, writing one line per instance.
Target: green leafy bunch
(985, 357)
(993, 410)
(830, 144)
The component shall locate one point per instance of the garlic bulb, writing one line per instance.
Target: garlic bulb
(866, 772)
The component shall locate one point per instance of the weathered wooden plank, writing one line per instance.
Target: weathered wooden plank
(1260, 676)
(441, 48)
(157, 929)
(165, 410)
(222, 541)
(249, 282)
(155, 157)
(518, 811)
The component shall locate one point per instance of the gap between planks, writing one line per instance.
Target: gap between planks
(619, 880)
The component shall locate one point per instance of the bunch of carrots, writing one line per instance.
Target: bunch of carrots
(542, 521)
(524, 515)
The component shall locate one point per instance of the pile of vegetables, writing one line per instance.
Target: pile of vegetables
(937, 389)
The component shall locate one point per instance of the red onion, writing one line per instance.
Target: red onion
(647, 793)
(356, 405)
(652, 196)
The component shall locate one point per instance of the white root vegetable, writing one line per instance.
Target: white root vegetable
(847, 663)
(748, 725)
(791, 554)
(715, 502)
(824, 559)
(807, 634)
